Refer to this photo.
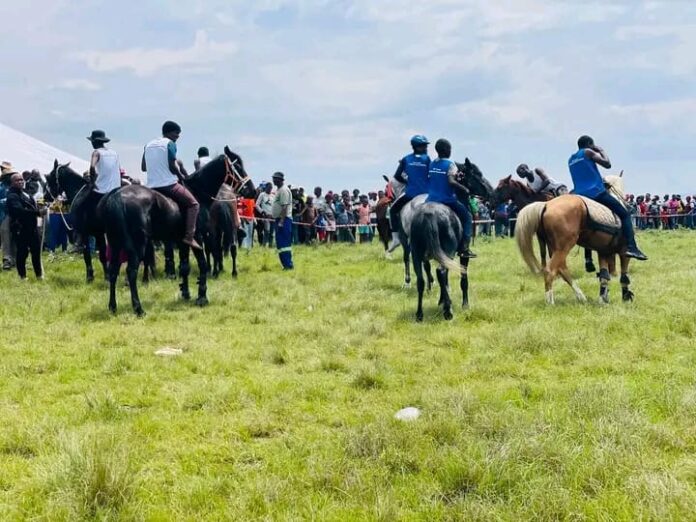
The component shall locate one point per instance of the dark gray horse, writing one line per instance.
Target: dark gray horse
(434, 234)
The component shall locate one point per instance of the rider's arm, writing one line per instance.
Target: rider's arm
(598, 155)
(93, 166)
(452, 177)
(398, 175)
(544, 178)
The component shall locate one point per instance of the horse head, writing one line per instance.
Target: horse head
(63, 179)
(241, 181)
(227, 168)
(474, 180)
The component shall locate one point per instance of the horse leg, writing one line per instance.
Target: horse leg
(233, 255)
(542, 250)
(565, 274)
(420, 284)
(429, 275)
(132, 273)
(589, 264)
(604, 278)
(550, 273)
(626, 293)
(445, 301)
(464, 281)
(202, 299)
(101, 250)
(612, 265)
(184, 271)
(169, 265)
(87, 256)
(114, 269)
(407, 265)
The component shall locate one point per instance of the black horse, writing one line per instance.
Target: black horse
(435, 234)
(135, 216)
(63, 179)
(223, 230)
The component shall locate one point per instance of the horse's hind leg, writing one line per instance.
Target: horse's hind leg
(464, 280)
(184, 271)
(202, 299)
(565, 274)
(604, 278)
(626, 293)
(407, 265)
(445, 301)
(420, 284)
(551, 272)
(169, 265)
(233, 255)
(132, 272)
(87, 256)
(114, 269)
(589, 264)
(429, 275)
(101, 251)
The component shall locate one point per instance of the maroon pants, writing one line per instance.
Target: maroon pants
(188, 204)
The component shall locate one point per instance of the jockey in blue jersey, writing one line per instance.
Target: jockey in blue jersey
(416, 167)
(589, 183)
(443, 187)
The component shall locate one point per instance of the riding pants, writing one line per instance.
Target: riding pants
(617, 208)
(188, 204)
(395, 210)
(464, 215)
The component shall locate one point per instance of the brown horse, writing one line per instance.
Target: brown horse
(563, 223)
(522, 196)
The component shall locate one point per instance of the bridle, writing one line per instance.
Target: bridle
(233, 176)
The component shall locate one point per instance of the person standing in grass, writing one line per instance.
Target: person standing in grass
(364, 220)
(282, 212)
(24, 214)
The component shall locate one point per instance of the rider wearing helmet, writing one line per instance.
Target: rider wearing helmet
(416, 167)
(443, 188)
(589, 183)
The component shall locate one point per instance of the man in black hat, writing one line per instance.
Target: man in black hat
(164, 175)
(282, 213)
(24, 213)
(104, 176)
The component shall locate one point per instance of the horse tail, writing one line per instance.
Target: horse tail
(431, 235)
(528, 223)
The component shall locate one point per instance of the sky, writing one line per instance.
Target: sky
(330, 91)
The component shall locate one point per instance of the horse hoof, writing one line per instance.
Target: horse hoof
(186, 297)
(448, 315)
(140, 312)
(90, 278)
(419, 318)
(628, 297)
(407, 285)
(112, 309)
(202, 301)
(234, 275)
(590, 268)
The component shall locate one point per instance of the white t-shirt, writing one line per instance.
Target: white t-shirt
(537, 182)
(203, 161)
(157, 164)
(108, 170)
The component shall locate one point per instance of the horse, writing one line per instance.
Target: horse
(472, 178)
(63, 179)
(223, 226)
(564, 222)
(136, 215)
(522, 195)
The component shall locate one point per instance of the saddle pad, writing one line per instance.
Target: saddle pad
(601, 215)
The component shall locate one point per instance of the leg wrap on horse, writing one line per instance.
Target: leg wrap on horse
(604, 275)
(625, 279)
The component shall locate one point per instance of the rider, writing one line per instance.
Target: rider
(104, 174)
(164, 175)
(442, 188)
(416, 167)
(589, 183)
(538, 181)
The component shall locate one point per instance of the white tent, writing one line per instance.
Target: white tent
(27, 153)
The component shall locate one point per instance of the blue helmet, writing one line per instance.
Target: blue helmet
(419, 139)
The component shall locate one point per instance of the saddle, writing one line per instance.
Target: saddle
(600, 218)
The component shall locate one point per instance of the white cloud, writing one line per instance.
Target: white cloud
(78, 84)
(145, 62)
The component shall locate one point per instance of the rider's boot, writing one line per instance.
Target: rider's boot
(634, 252)
(464, 249)
(189, 239)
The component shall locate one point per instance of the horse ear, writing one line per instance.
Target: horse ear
(67, 164)
(621, 173)
(55, 163)
(467, 162)
(385, 178)
(227, 150)
(507, 180)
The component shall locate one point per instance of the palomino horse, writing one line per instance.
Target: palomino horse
(564, 222)
(472, 178)
(135, 216)
(522, 195)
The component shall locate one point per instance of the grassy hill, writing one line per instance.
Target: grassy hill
(281, 405)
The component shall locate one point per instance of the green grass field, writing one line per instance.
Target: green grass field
(281, 406)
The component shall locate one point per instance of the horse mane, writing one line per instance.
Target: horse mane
(197, 181)
(616, 185)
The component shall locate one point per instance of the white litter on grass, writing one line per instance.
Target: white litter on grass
(310, 308)
(169, 352)
(407, 414)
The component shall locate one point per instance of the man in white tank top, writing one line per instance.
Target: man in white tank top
(104, 176)
(164, 175)
(202, 160)
(538, 181)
